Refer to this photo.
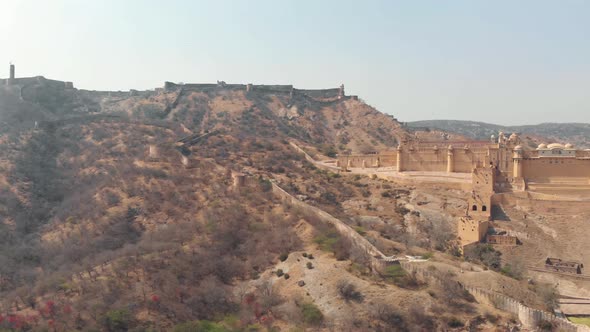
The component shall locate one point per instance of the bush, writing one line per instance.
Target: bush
(311, 314)
(348, 291)
(545, 325)
(280, 273)
(200, 326)
(287, 276)
(455, 322)
(304, 254)
(117, 320)
(399, 277)
(485, 254)
(361, 230)
(283, 257)
(309, 265)
(310, 256)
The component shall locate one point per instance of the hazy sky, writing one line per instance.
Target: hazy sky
(506, 62)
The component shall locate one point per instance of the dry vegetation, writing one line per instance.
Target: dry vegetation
(97, 237)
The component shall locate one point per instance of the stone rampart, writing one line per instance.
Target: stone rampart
(529, 317)
(378, 260)
(273, 88)
(313, 161)
(320, 93)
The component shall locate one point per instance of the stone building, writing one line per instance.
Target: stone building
(516, 168)
(498, 165)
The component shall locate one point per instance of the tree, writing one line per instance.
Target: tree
(117, 320)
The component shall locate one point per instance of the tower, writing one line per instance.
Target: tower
(12, 75)
(399, 163)
(517, 160)
(450, 160)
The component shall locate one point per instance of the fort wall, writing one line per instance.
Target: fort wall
(378, 261)
(313, 161)
(542, 168)
(331, 94)
(528, 316)
(321, 93)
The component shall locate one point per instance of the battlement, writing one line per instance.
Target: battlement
(37, 80)
(330, 94)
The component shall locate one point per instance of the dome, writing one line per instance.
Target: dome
(513, 136)
(555, 146)
(569, 146)
(518, 147)
(542, 146)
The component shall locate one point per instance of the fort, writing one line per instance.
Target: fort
(516, 167)
(326, 95)
(484, 169)
(321, 95)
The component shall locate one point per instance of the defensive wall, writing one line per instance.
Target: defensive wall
(549, 169)
(528, 316)
(331, 94)
(313, 161)
(423, 158)
(378, 261)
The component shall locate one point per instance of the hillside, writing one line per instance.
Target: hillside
(575, 133)
(99, 234)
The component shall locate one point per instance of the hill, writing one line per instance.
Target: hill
(575, 133)
(119, 212)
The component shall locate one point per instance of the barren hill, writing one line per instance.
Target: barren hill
(119, 212)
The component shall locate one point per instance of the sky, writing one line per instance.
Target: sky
(503, 62)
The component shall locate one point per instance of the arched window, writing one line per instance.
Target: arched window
(474, 208)
(484, 208)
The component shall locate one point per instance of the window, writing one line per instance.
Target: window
(474, 208)
(484, 208)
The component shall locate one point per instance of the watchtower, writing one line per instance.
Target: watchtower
(12, 75)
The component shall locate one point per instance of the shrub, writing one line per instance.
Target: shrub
(287, 276)
(309, 265)
(200, 326)
(117, 320)
(361, 230)
(399, 277)
(545, 325)
(310, 256)
(280, 273)
(486, 254)
(348, 291)
(304, 254)
(455, 322)
(283, 257)
(311, 314)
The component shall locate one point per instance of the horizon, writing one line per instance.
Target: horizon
(512, 63)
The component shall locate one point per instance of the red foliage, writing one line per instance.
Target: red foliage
(67, 309)
(17, 321)
(155, 298)
(250, 298)
(49, 308)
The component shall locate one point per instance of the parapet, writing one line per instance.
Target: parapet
(318, 94)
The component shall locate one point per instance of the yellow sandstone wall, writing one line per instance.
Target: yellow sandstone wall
(538, 169)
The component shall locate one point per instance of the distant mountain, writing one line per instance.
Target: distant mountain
(575, 133)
